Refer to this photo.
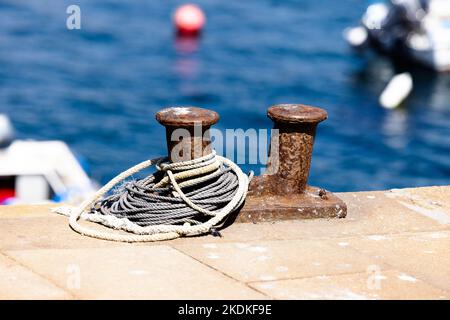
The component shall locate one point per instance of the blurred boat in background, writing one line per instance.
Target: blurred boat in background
(406, 30)
(39, 171)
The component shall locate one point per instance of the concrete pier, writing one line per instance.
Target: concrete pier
(393, 244)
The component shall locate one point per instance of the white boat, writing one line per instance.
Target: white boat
(39, 171)
(414, 30)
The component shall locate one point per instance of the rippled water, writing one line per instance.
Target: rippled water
(98, 88)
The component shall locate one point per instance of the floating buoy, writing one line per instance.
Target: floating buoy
(397, 90)
(189, 20)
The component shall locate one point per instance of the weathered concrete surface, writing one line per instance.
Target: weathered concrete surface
(392, 245)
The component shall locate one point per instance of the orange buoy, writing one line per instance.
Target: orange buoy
(189, 20)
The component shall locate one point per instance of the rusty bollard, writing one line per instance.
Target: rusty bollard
(282, 192)
(187, 131)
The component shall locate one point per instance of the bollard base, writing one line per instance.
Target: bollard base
(309, 205)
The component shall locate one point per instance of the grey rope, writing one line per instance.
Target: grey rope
(179, 199)
(144, 204)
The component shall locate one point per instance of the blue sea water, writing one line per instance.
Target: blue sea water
(98, 88)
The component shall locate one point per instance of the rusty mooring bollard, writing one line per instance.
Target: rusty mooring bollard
(283, 193)
(290, 159)
(187, 131)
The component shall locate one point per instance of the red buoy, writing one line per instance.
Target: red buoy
(189, 20)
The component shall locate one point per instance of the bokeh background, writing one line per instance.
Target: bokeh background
(98, 88)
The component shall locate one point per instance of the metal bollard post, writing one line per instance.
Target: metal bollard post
(283, 193)
(187, 131)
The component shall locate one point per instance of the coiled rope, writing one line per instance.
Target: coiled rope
(180, 199)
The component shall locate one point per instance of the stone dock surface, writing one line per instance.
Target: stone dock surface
(393, 244)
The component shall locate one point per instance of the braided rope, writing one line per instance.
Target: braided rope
(156, 208)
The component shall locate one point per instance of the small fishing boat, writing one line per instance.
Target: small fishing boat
(406, 30)
(39, 171)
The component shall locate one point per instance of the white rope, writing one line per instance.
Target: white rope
(163, 231)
